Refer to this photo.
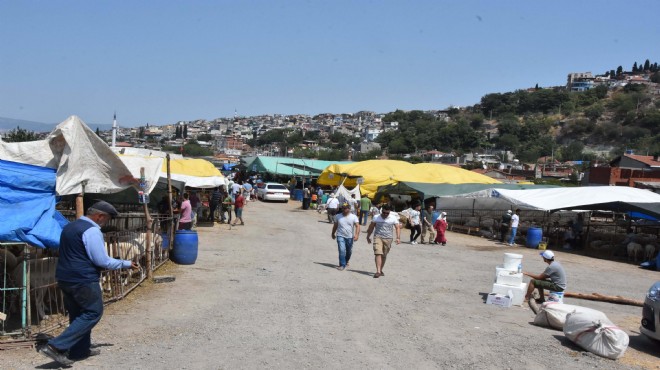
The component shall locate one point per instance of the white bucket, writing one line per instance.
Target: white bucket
(512, 260)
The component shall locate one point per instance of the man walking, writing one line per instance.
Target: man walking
(331, 206)
(365, 206)
(383, 224)
(226, 207)
(427, 225)
(343, 231)
(515, 219)
(239, 203)
(216, 196)
(82, 256)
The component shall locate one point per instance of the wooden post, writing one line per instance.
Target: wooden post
(147, 217)
(80, 206)
(170, 232)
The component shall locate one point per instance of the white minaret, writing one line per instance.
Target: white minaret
(114, 130)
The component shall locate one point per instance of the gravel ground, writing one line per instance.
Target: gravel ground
(267, 295)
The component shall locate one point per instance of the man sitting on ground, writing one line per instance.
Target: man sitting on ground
(553, 279)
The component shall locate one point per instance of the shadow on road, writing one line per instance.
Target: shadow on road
(484, 296)
(643, 344)
(348, 269)
(568, 343)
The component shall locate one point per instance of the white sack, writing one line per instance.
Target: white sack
(553, 314)
(596, 335)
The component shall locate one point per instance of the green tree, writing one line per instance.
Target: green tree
(20, 135)
(594, 112)
(98, 133)
(612, 73)
(193, 149)
(634, 67)
(571, 152)
(619, 71)
(647, 65)
(185, 131)
(205, 137)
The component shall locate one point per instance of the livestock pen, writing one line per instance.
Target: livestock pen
(602, 234)
(31, 300)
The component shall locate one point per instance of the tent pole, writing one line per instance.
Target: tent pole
(170, 232)
(147, 217)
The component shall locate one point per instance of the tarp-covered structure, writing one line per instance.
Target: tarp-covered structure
(375, 173)
(27, 205)
(427, 190)
(195, 173)
(285, 166)
(611, 198)
(79, 157)
(71, 160)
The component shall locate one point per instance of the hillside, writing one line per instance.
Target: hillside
(587, 125)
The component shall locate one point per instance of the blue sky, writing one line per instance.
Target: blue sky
(159, 62)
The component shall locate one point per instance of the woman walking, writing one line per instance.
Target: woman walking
(415, 223)
(440, 227)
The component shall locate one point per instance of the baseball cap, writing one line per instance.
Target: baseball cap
(105, 207)
(547, 255)
(345, 205)
(508, 211)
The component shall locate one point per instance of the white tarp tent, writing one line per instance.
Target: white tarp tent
(616, 198)
(78, 155)
(151, 165)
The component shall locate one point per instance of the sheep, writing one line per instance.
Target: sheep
(634, 249)
(42, 278)
(649, 252)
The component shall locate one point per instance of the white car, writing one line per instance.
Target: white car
(651, 313)
(273, 191)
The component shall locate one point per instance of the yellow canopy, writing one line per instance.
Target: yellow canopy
(195, 173)
(377, 173)
(192, 167)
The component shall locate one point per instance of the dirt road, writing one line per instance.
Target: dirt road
(267, 295)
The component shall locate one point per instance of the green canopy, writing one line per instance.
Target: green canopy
(285, 166)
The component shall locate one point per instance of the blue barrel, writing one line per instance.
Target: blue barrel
(185, 247)
(298, 194)
(534, 237)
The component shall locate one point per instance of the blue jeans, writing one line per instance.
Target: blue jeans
(513, 234)
(364, 216)
(345, 246)
(84, 302)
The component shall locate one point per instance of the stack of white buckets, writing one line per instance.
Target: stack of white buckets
(509, 279)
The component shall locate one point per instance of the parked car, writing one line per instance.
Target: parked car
(651, 313)
(273, 191)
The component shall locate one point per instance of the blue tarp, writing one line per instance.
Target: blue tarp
(228, 166)
(27, 205)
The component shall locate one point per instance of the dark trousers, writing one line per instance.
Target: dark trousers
(84, 302)
(213, 208)
(364, 215)
(504, 229)
(415, 232)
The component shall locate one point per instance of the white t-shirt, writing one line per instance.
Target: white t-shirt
(414, 217)
(235, 188)
(345, 224)
(515, 219)
(333, 203)
(384, 226)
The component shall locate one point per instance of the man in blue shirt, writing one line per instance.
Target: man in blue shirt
(82, 258)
